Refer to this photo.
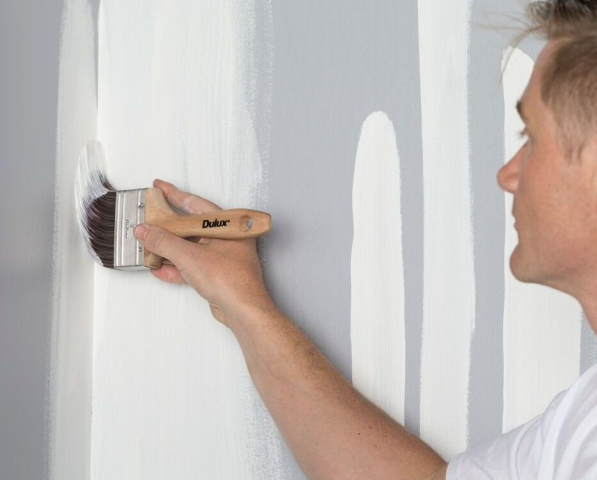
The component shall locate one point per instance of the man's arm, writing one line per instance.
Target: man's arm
(333, 431)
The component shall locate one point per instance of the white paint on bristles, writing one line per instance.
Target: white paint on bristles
(90, 184)
(172, 397)
(541, 325)
(377, 277)
(449, 283)
(69, 379)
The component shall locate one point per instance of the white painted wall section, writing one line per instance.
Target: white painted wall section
(541, 325)
(69, 381)
(449, 285)
(377, 276)
(172, 397)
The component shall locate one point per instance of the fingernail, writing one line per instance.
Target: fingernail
(140, 232)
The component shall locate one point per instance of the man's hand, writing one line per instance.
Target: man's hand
(226, 273)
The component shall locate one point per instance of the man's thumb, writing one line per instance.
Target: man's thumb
(163, 243)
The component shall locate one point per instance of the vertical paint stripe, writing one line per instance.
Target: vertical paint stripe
(72, 301)
(172, 397)
(377, 277)
(541, 325)
(449, 286)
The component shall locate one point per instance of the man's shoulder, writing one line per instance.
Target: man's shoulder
(575, 406)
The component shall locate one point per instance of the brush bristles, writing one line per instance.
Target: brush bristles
(96, 204)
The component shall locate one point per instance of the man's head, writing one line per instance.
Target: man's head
(553, 177)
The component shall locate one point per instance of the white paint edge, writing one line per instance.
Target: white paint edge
(69, 379)
(449, 282)
(542, 326)
(172, 397)
(377, 269)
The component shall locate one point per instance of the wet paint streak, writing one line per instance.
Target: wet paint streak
(377, 277)
(449, 283)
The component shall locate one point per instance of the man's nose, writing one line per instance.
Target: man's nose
(507, 176)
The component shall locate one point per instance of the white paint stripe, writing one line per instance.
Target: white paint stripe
(377, 277)
(541, 325)
(69, 381)
(449, 285)
(171, 394)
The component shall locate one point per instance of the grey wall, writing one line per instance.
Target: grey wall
(332, 67)
(335, 62)
(29, 44)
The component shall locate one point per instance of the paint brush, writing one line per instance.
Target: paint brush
(107, 217)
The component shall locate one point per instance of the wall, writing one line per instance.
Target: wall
(29, 48)
(301, 108)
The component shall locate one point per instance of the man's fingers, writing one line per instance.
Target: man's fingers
(187, 202)
(165, 244)
(169, 274)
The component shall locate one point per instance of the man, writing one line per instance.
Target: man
(332, 430)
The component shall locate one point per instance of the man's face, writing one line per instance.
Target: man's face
(555, 200)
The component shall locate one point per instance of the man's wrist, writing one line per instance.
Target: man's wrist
(250, 310)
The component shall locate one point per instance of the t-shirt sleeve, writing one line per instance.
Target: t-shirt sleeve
(514, 455)
(560, 444)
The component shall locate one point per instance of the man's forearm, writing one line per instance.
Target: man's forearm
(332, 430)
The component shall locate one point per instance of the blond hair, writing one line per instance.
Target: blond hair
(569, 83)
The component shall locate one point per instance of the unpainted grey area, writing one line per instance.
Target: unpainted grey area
(486, 143)
(29, 46)
(491, 32)
(588, 345)
(334, 64)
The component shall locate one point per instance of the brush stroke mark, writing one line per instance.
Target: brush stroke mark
(538, 321)
(377, 278)
(172, 397)
(71, 342)
(449, 301)
(270, 457)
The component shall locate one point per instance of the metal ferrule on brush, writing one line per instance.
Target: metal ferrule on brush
(130, 212)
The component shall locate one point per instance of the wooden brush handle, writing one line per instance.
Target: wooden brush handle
(237, 223)
(227, 224)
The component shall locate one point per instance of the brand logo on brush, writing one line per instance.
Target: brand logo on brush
(215, 223)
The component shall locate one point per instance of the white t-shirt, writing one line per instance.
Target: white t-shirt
(560, 444)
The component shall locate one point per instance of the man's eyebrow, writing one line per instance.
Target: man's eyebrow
(519, 110)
